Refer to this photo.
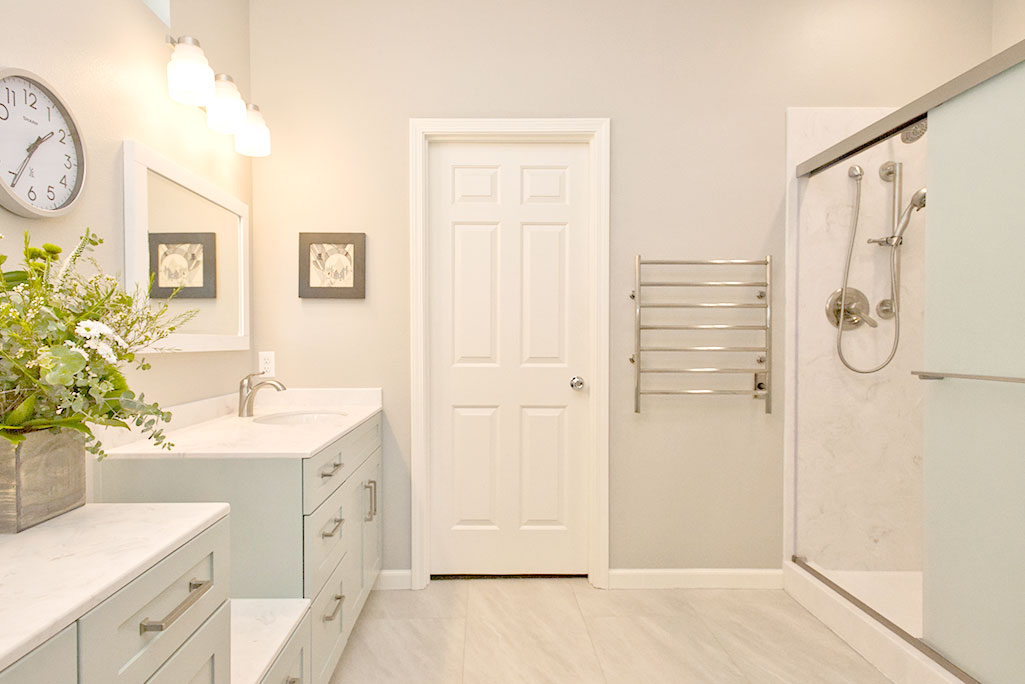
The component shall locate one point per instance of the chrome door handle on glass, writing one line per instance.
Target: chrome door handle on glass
(334, 530)
(196, 590)
(576, 382)
(340, 598)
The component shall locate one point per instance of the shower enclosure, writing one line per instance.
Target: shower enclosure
(909, 472)
(859, 434)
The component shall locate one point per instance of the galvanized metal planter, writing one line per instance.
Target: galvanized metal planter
(41, 478)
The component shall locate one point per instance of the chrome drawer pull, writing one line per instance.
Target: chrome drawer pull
(373, 498)
(331, 473)
(338, 608)
(334, 530)
(369, 484)
(196, 590)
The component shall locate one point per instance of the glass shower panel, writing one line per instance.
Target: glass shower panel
(859, 436)
(974, 551)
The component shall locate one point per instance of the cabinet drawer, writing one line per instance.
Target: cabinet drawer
(327, 533)
(328, 468)
(127, 637)
(292, 666)
(330, 617)
(204, 657)
(53, 662)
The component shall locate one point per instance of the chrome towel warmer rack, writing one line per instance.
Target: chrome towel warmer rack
(643, 283)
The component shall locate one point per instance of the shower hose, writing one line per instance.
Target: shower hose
(894, 286)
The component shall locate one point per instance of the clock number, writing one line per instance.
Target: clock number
(63, 135)
(67, 161)
(64, 181)
(31, 194)
(31, 104)
(12, 97)
(4, 112)
(48, 113)
(50, 194)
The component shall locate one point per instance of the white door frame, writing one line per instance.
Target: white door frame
(595, 133)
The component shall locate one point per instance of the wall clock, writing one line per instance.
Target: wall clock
(42, 161)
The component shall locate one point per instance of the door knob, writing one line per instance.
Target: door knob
(576, 382)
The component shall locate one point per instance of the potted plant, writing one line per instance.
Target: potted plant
(65, 338)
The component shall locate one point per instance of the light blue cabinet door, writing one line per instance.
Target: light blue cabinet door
(54, 662)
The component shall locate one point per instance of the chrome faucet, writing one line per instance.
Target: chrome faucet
(247, 393)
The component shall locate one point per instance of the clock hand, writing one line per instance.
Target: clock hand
(31, 149)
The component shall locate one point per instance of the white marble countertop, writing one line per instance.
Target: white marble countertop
(259, 630)
(230, 436)
(54, 573)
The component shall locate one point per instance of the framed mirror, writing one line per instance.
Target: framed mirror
(193, 239)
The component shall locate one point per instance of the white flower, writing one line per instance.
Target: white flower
(92, 329)
(102, 348)
(75, 348)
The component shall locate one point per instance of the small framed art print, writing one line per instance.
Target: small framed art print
(183, 264)
(333, 265)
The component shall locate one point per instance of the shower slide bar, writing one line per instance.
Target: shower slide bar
(667, 278)
(928, 375)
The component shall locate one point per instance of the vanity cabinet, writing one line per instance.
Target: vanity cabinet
(130, 636)
(138, 592)
(304, 527)
(55, 662)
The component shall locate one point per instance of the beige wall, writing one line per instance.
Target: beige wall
(107, 58)
(696, 93)
(1008, 23)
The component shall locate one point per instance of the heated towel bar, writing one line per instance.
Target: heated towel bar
(672, 274)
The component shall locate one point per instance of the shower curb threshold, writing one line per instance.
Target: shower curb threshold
(899, 659)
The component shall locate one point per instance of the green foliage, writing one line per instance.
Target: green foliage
(65, 338)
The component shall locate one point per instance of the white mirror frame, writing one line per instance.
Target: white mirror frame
(139, 160)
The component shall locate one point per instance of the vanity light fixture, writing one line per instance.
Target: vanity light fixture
(253, 140)
(190, 79)
(226, 112)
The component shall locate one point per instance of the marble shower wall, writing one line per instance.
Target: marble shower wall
(859, 437)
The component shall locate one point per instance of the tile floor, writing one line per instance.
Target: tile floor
(563, 631)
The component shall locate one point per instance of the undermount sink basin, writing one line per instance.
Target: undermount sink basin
(304, 418)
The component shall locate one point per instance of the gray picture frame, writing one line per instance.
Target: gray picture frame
(347, 249)
(208, 243)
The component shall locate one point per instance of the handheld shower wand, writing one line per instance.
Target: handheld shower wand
(917, 203)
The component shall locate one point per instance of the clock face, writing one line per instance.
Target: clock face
(41, 158)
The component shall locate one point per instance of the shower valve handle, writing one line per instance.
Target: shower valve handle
(859, 317)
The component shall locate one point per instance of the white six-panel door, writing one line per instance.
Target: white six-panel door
(508, 265)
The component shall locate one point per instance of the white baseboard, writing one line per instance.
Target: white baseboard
(695, 578)
(390, 580)
(901, 662)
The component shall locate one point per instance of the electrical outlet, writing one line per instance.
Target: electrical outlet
(267, 363)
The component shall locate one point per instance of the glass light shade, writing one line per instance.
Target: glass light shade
(190, 80)
(226, 112)
(253, 140)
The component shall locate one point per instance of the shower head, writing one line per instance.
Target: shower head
(917, 203)
(914, 131)
(918, 199)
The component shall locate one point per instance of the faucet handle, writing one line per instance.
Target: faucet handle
(246, 382)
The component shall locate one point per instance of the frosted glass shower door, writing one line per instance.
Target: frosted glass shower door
(974, 544)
